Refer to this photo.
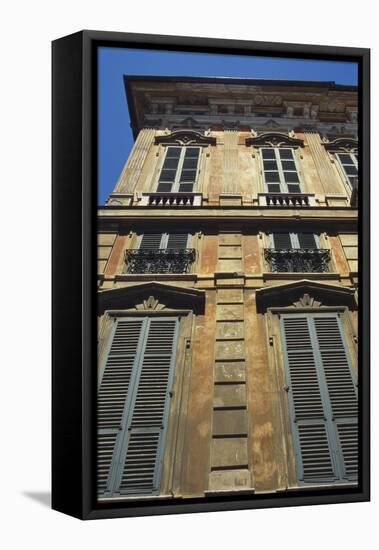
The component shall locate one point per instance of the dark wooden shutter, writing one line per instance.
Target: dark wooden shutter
(177, 240)
(341, 389)
(307, 241)
(323, 401)
(314, 458)
(113, 396)
(151, 241)
(282, 241)
(148, 415)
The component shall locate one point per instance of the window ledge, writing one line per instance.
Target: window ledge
(156, 277)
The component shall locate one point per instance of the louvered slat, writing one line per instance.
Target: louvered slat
(282, 241)
(147, 419)
(341, 389)
(151, 241)
(307, 241)
(348, 438)
(112, 395)
(308, 417)
(315, 452)
(177, 240)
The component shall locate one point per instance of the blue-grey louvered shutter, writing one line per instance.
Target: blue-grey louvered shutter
(323, 401)
(113, 396)
(177, 240)
(151, 241)
(342, 392)
(282, 241)
(307, 241)
(308, 415)
(147, 419)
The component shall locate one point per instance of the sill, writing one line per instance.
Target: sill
(267, 276)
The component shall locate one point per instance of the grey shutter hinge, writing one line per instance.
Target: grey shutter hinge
(286, 388)
(171, 393)
(271, 340)
(188, 343)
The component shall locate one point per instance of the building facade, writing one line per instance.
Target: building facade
(227, 277)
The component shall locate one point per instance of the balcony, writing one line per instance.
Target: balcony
(169, 200)
(295, 260)
(286, 200)
(168, 260)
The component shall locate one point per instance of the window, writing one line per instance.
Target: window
(133, 403)
(349, 165)
(161, 253)
(180, 169)
(287, 241)
(280, 171)
(322, 397)
(159, 241)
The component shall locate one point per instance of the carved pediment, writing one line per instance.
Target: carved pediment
(151, 296)
(185, 137)
(305, 294)
(342, 145)
(274, 139)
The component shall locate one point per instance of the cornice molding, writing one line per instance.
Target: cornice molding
(185, 137)
(305, 293)
(274, 139)
(151, 295)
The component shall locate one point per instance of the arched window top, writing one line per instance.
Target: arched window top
(274, 139)
(185, 138)
(342, 145)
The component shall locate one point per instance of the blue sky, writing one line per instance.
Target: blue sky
(115, 136)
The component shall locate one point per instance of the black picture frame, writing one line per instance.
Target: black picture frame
(74, 175)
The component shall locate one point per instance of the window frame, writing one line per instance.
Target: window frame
(295, 244)
(282, 183)
(164, 239)
(354, 157)
(176, 183)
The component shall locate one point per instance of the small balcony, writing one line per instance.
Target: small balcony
(295, 260)
(286, 200)
(168, 260)
(169, 200)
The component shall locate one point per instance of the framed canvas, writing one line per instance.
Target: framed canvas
(210, 241)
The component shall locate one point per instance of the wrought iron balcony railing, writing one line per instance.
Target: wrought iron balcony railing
(305, 260)
(164, 260)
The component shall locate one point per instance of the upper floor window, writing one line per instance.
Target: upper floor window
(280, 171)
(180, 170)
(349, 165)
